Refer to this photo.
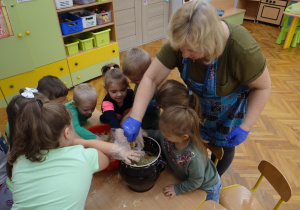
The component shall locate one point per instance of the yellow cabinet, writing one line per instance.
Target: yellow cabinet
(12, 85)
(91, 71)
(93, 57)
(2, 100)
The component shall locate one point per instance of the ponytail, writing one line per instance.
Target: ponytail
(108, 67)
(38, 128)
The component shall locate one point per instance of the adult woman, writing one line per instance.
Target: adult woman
(219, 61)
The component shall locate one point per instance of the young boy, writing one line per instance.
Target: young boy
(81, 108)
(53, 88)
(135, 63)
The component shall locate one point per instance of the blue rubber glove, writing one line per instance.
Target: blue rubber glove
(131, 128)
(236, 136)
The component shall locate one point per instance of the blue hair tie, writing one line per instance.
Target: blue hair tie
(190, 92)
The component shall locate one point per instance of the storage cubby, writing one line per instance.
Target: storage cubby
(103, 5)
(41, 49)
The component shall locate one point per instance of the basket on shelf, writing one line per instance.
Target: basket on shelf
(84, 1)
(85, 41)
(103, 17)
(71, 45)
(69, 23)
(88, 18)
(101, 37)
(60, 4)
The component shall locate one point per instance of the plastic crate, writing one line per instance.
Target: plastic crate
(73, 25)
(63, 3)
(101, 37)
(103, 17)
(71, 45)
(85, 41)
(105, 129)
(88, 18)
(84, 1)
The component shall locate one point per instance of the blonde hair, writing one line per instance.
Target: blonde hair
(113, 74)
(175, 93)
(84, 92)
(180, 120)
(197, 24)
(135, 62)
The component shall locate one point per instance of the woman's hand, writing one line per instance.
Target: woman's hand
(236, 136)
(131, 128)
(169, 191)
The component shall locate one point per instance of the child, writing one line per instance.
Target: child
(173, 93)
(81, 108)
(53, 88)
(6, 200)
(135, 63)
(185, 153)
(119, 99)
(46, 171)
(12, 110)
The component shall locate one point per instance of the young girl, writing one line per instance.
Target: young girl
(14, 106)
(46, 171)
(119, 99)
(173, 93)
(185, 153)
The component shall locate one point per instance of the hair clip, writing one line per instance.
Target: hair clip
(40, 102)
(190, 92)
(28, 92)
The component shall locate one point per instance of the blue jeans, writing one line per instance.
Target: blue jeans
(213, 192)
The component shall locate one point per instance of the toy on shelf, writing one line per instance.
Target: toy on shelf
(102, 16)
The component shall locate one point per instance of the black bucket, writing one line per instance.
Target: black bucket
(142, 178)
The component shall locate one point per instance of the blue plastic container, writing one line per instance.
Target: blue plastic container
(73, 25)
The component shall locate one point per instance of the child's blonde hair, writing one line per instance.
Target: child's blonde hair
(38, 127)
(84, 92)
(135, 62)
(197, 24)
(113, 74)
(175, 93)
(180, 120)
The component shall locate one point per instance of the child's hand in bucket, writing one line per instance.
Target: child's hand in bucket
(125, 153)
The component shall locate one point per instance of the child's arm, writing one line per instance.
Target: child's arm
(109, 116)
(114, 150)
(195, 171)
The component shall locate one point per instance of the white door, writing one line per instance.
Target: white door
(155, 16)
(128, 23)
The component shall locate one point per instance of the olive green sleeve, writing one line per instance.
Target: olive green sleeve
(167, 56)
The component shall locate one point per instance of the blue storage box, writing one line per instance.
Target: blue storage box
(70, 23)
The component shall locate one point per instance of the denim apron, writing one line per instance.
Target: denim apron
(219, 114)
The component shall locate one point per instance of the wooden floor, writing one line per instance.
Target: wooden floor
(275, 136)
